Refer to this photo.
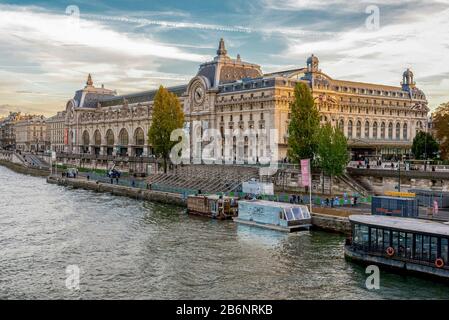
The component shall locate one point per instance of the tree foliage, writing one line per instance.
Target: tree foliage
(440, 123)
(167, 116)
(424, 146)
(332, 150)
(304, 125)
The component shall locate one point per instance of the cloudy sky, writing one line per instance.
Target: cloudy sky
(47, 48)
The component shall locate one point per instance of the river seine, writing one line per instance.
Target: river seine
(130, 249)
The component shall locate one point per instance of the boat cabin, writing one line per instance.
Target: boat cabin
(412, 244)
(274, 215)
(214, 206)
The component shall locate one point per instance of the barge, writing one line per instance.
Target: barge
(273, 215)
(212, 206)
(404, 244)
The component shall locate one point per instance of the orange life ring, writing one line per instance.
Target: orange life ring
(439, 263)
(390, 251)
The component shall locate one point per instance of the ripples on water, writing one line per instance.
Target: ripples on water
(130, 249)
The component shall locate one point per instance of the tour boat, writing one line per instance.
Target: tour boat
(213, 206)
(413, 245)
(273, 215)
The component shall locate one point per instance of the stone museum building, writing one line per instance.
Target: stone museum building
(227, 93)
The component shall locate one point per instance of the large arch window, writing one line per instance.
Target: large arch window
(382, 130)
(86, 141)
(350, 129)
(390, 131)
(110, 138)
(341, 124)
(359, 129)
(97, 138)
(375, 130)
(139, 137)
(404, 132)
(367, 130)
(398, 131)
(123, 138)
(109, 142)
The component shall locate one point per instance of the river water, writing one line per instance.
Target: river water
(130, 249)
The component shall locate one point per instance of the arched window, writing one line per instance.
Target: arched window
(390, 131)
(359, 129)
(341, 124)
(367, 130)
(97, 138)
(382, 130)
(123, 137)
(86, 138)
(398, 131)
(139, 137)
(404, 132)
(350, 129)
(418, 127)
(109, 137)
(375, 130)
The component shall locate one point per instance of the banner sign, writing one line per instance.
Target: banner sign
(66, 136)
(305, 172)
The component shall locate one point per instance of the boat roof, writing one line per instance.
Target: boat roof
(267, 203)
(405, 224)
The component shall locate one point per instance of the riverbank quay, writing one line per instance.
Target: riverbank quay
(338, 223)
(327, 219)
(19, 168)
(120, 190)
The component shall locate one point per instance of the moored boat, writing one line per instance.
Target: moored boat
(213, 206)
(413, 245)
(279, 216)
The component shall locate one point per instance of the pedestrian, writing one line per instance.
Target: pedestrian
(116, 180)
(327, 202)
(88, 177)
(133, 183)
(355, 201)
(352, 201)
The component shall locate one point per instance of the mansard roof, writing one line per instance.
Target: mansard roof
(139, 97)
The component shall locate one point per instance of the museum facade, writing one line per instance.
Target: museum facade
(227, 93)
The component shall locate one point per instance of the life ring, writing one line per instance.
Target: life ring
(439, 263)
(390, 251)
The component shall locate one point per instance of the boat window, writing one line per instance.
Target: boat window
(425, 248)
(418, 247)
(364, 230)
(394, 240)
(373, 241)
(299, 213)
(357, 235)
(380, 233)
(444, 250)
(386, 238)
(288, 215)
(409, 245)
(402, 239)
(433, 249)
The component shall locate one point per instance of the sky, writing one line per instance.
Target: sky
(47, 48)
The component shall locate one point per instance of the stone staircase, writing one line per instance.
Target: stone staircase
(355, 185)
(206, 178)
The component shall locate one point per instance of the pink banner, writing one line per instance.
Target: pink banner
(305, 172)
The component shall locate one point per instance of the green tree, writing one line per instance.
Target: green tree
(424, 146)
(167, 116)
(440, 123)
(332, 151)
(304, 125)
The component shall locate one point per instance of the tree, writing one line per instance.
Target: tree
(167, 116)
(304, 125)
(440, 123)
(332, 151)
(424, 146)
